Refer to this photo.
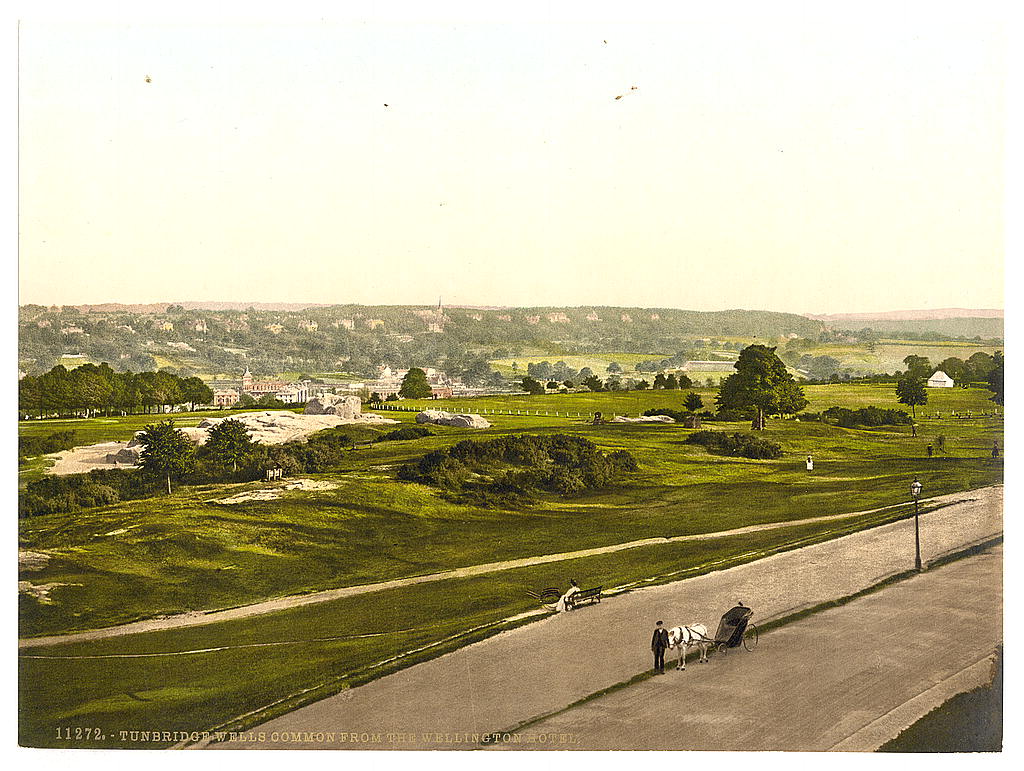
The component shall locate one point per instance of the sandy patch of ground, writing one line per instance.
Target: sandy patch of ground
(40, 591)
(32, 560)
(81, 459)
(273, 493)
(309, 484)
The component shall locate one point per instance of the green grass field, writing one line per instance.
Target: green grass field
(183, 552)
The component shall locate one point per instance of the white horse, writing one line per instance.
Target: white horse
(685, 637)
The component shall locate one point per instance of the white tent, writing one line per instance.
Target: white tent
(940, 380)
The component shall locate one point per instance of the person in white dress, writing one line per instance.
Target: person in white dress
(810, 463)
(573, 589)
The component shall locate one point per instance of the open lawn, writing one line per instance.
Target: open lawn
(186, 552)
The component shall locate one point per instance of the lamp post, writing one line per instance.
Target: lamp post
(915, 491)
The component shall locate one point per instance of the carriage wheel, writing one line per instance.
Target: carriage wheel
(723, 648)
(750, 637)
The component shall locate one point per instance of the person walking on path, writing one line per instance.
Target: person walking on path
(810, 463)
(658, 644)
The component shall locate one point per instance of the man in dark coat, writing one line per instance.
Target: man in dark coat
(658, 644)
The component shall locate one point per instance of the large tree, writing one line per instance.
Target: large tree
(195, 391)
(693, 401)
(918, 366)
(761, 382)
(995, 378)
(166, 451)
(415, 385)
(229, 442)
(910, 390)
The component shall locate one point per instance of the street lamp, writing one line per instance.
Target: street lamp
(915, 491)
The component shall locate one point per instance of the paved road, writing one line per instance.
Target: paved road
(535, 670)
(834, 680)
(200, 617)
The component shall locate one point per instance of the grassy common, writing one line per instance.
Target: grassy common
(187, 552)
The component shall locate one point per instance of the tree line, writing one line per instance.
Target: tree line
(92, 389)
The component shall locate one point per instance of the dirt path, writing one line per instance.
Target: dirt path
(197, 618)
(539, 669)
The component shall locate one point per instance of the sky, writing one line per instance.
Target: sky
(790, 159)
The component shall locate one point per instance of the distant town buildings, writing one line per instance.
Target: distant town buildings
(274, 329)
(225, 397)
(558, 318)
(309, 326)
(165, 326)
(940, 380)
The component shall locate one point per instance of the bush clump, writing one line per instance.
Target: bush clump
(515, 469)
(405, 434)
(866, 416)
(70, 493)
(738, 445)
(30, 446)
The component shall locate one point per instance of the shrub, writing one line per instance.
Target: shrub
(737, 445)
(405, 434)
(866, 416)
(514, 469)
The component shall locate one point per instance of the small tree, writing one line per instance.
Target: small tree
(614, 368)
(229, 441)
(415, 385)
(166, 451)
(671, 384)
(910, 390)
(532, 385)
(693, 401)
(593, 383)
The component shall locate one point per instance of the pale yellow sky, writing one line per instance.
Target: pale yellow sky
(798, 162)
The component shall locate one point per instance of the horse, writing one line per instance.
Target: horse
(684, 637)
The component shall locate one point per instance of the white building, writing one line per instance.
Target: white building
(226, 397)
(940, 380)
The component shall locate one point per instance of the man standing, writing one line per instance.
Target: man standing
(658, 644)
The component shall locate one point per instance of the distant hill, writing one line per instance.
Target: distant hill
(910, 315)
(936, 324)
(145, 308)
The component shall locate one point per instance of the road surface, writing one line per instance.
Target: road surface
(849, 678)
(538, 669)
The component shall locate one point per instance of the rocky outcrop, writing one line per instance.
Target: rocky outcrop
(346, 407)
(643, 419)
(268, 427)
(442, 418)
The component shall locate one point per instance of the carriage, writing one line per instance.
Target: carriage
(735, 630)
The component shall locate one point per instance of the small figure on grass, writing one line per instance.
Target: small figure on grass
(995, 449)
(810, 463)
(931, 451)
